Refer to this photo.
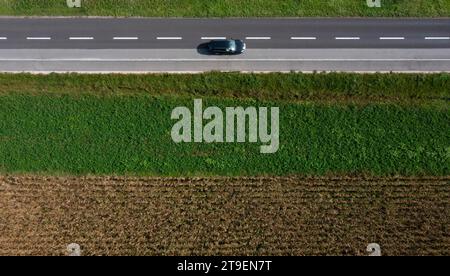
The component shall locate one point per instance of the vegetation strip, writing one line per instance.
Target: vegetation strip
(224, 8)
(131, 134)
(292, 87)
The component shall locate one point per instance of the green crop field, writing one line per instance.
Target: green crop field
(130, 134)
(378, 124)
(228, 8)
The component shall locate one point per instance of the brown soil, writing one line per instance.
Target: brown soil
(224, 216)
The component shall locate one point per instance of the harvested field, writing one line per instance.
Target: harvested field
(244, 216)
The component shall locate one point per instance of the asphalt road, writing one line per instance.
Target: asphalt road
(273, 44)
(60, 33)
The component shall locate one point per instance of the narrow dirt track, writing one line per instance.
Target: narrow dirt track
(226, 216)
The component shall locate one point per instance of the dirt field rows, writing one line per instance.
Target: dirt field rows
(245, 216)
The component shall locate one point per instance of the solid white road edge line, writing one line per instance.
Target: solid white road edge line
(214, 60)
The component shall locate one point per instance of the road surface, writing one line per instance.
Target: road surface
(176, 45)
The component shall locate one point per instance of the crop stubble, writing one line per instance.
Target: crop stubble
(226, 216)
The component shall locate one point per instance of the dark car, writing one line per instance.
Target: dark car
(226, 46)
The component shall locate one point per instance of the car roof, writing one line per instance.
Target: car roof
(222, 42)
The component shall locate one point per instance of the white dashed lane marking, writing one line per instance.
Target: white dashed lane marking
(125, 38)
(169, 38)
(258, 38)
(38, 38)
(303, 38)
(3, 38)
(213, 37)
(224, 37)
(348, 38)
(392, 38)
(81, 38)
(437, 38)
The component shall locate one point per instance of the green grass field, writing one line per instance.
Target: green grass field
(130, 134)
(378, 124)
(229, 8)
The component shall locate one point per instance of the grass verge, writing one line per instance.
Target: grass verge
(228, 8)
(292, 87)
